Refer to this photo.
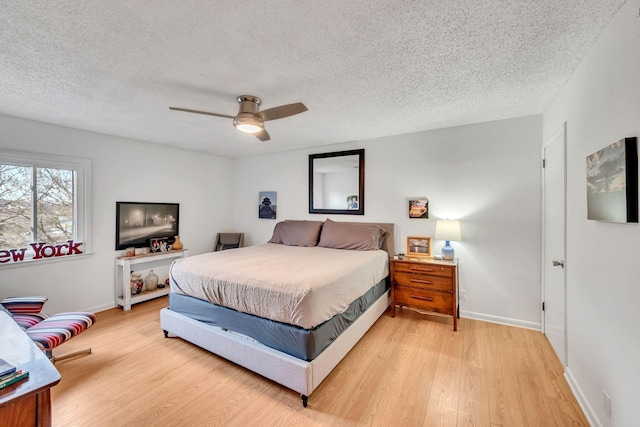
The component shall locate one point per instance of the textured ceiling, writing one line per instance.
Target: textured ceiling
(364, 69)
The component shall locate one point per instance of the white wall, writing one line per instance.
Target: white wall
(336, 187)
(122, 170)
(601, 104)
(487, 175)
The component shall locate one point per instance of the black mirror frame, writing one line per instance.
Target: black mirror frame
(360, 210)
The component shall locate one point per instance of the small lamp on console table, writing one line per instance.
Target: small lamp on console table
(448, 231)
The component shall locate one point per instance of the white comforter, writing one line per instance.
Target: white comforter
(303, 286)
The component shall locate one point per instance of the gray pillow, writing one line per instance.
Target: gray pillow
(296, 233)
(351, 235)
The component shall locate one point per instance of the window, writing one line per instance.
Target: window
(43, 199)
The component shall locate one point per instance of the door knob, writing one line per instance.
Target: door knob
(558, 263)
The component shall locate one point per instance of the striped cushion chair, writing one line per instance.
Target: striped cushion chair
(48, 332)
(26, 312)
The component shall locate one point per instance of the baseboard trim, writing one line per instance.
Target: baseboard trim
(102, 307)
(536, 326)
(581, 398)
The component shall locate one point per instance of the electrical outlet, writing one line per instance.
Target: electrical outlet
(463, 294)
(607, 403)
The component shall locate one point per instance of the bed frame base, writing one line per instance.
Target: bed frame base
(291, 372)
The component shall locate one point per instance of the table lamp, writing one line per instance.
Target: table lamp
(448, 231)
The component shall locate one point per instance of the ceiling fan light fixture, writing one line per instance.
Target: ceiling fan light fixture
(250, 119)
(248, 123)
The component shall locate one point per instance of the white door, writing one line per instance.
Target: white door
(554, 218)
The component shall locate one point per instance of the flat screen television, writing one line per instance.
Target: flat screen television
(137, 223)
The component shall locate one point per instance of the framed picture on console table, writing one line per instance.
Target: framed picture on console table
(419, 247)
(159, 244)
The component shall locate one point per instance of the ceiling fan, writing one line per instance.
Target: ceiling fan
(249, 119)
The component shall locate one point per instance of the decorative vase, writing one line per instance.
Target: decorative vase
(177, 244)
(151, 281)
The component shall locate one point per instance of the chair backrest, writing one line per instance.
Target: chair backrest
(228, 241)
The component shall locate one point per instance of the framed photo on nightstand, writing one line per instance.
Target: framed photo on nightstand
(419, 247)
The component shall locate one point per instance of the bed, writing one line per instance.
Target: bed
(290, 309)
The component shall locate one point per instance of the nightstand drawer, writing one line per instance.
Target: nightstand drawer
(439, 302)
(424, 281)
(430, 269)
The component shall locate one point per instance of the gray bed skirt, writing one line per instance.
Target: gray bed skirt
(305, 344)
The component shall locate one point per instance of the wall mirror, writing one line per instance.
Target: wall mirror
(336, 182)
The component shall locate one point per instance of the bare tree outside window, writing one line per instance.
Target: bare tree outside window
(55, 205)
(52, 221)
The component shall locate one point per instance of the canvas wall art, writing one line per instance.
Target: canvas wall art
(612, 182)
(267, 204)
(139, 222)
(419, 208)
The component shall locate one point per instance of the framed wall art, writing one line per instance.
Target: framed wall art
(612, 182)
(139, 222)
(418, 208)
(419, 247)
(267, 204)
(352, 202)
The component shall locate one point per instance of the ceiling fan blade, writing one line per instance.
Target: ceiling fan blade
(263, 135)
(186, 110)
(282, 111)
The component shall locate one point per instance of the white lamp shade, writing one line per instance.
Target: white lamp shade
(448, 230)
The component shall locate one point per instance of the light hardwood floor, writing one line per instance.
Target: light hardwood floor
(411, 370)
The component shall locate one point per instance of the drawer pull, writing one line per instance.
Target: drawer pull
(426, 282)
(421, 297)
(428, 270)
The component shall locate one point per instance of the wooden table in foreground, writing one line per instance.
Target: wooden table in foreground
(27, 402)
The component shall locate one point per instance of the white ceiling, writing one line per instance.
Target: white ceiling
(364, 69)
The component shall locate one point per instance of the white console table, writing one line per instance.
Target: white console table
(123, 275)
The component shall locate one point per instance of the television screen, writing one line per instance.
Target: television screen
(138, 223)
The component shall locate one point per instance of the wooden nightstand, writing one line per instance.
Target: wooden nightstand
(425, 285)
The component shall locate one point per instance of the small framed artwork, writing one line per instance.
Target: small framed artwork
(159, 244)
(612, 182)
(419, 208)
(267, 204)
(418, 246)
(352, 202)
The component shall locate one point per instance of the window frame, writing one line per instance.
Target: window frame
(82, 197)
